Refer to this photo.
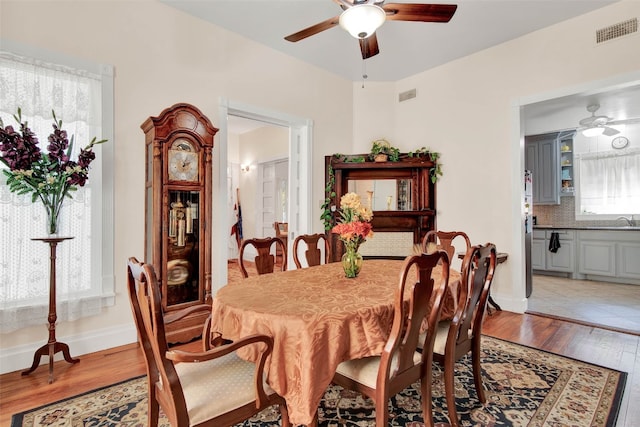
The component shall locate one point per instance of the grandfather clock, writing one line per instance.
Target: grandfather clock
(178, 190)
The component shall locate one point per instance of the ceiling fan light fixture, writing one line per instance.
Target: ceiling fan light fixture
(362, 20)
(593, 131)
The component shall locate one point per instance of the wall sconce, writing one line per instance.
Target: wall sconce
(245, 168)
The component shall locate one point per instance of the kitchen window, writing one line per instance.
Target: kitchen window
(81, 94)
(607, 184)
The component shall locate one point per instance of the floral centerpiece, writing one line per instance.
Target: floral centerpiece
(49, 176)
(354, 226)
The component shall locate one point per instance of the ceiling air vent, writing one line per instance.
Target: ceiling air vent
(617, 30)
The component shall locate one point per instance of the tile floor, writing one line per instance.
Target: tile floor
(612, 305)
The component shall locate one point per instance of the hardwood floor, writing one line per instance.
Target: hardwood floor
(603, 347)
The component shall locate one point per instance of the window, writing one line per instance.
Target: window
(81, 95)
(608, 184)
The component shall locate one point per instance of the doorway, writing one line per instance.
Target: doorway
(299, 178)
(582, 300)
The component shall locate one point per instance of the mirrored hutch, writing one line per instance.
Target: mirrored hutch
(401, 193)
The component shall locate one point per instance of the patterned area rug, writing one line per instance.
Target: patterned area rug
(525, 387)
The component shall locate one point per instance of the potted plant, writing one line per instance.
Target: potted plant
(382, 151)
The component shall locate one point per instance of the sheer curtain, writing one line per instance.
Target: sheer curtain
(609, 183)
(75, 96)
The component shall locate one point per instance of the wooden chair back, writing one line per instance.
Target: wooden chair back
(400, 364)
(313, 254)
(462, 334)
(282, 231)
(189, 386)
(264, 262)
(447, 241)
(478, 268)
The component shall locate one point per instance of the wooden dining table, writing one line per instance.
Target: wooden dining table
(318, 318)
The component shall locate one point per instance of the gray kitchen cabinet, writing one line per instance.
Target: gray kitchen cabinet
(610, 254)
(542, 159)
(538, 250)
(564, 259)
(628, 257)
(597, 254)
(566, 165)
(542, 259)
(597, 257)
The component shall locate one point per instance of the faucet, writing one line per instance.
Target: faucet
(629, 220)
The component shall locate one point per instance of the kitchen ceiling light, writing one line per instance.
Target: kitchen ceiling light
(362, 20)
(593, 131)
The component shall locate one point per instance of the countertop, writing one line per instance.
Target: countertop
(591, 227)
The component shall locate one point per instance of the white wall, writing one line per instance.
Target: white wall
(161, 57)
(465, 110)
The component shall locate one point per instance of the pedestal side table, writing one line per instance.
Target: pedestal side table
(53, 346)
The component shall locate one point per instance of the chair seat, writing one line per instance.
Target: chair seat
(365, 370)
(440, 342)
(442, 332)
(217, 386)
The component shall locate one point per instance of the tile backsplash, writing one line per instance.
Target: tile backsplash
(563, 215)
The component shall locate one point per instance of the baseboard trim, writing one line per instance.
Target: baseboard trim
(20, 357)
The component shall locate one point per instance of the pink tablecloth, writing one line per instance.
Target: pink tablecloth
(318, 319)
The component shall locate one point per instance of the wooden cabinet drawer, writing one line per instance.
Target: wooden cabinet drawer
(562, 234)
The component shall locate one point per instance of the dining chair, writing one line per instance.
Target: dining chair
(313, 254)
(462, 334)
(400, 365)
(282, 231)
(264, 261)
(446, 240)
(210, 388)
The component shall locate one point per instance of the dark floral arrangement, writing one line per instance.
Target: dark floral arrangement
(50, 176)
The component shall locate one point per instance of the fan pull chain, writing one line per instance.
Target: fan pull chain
(364, 72)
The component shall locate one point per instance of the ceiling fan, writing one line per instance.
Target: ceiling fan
(361, 18)
(600, 125)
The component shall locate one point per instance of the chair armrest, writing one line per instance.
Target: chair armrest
(180, 314)
(212, 339)
(193, 357)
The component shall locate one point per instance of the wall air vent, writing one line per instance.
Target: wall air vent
(617, 30)
(408, 94)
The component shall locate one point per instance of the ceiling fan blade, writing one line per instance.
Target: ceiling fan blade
(419, 12)
(369, 46)
(314, 29)
(610, 131)
(625, 121)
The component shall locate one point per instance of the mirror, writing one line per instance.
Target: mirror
(383, 194)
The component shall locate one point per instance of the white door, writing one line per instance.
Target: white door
(267, 213)
(274, 195)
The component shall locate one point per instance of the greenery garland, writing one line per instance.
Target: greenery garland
(328, 209)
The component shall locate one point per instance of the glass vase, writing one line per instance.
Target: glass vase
(53, 220)
(351, 262)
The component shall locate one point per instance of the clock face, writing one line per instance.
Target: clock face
(183, 165)
(619, 142)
